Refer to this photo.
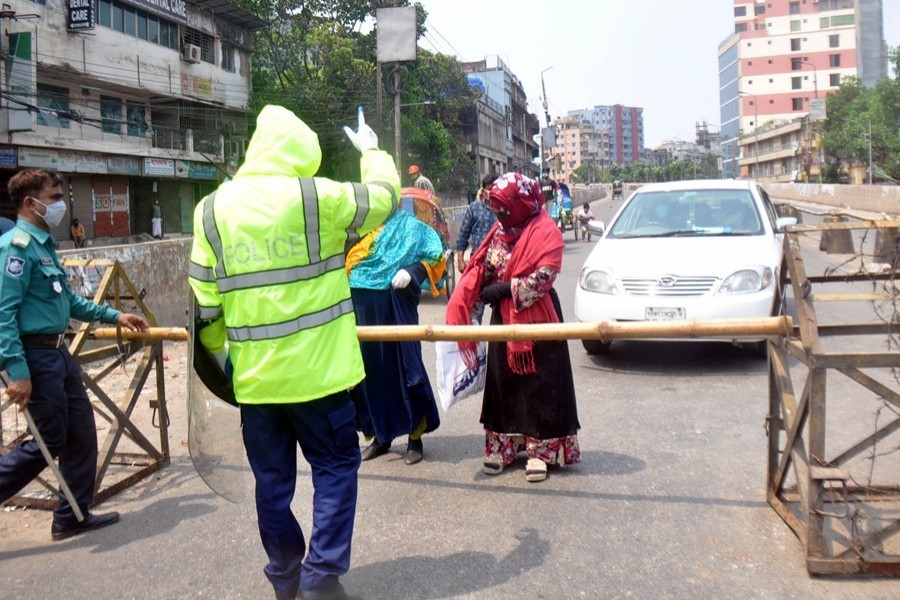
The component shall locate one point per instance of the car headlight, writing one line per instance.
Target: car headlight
(746, 281)
(597, 281)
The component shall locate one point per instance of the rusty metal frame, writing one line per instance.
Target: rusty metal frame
(825, 507)
(114, 406)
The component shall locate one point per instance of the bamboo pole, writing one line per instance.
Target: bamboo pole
(604, 331)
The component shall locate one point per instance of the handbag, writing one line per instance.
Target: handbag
(455, 380)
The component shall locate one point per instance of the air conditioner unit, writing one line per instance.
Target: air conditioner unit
(191, 53)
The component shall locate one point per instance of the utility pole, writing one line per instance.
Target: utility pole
(869, 139)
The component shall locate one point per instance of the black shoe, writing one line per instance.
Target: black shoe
(414, 452)
(335, 593)
(374, 450)
(59, 531)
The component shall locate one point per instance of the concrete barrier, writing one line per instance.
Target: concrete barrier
(871, 198)
(159, 267)
(838, 241)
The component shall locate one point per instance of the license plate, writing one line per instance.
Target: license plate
(665, 314)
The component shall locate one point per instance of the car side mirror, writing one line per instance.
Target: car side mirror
(783, 222)
(596, 227)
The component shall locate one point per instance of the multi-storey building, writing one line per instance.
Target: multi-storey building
(502, 138)
(132, 101)
(577, 143)
(783, 58)
(622, 128)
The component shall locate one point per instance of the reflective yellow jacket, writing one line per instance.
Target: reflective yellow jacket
(267, 263)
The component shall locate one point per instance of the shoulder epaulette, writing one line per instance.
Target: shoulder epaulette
(21, 239)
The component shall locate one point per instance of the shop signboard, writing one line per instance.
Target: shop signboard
(81, 14)
(38, 159)
(7, 157)
(123, 165)
(195, 170)
(159, 167)
(82, 162)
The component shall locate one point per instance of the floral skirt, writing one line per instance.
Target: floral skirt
(561, 451)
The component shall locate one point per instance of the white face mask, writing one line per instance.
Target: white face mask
(55, 212)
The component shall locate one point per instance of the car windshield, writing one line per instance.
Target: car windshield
(688, 213)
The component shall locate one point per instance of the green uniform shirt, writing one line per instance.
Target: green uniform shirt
(35, 297)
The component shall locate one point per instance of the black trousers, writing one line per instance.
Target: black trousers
(63, 415)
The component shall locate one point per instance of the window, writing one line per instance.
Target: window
(228, 58)
(834, 60)
(740, 11)
(152, 29)
(759, 9)
(53, 98)
(118, 17)
(796, 64)
(796, 83)
(795, 8)
(111, 113)
(834, 41)
(795, 25)
(740, 27)
(796, 103)
(834, 79)
(842, 20)
(137, 119)
(206, 43)
(130, 27)
(795, 44)
(142, 25)
(104, 13)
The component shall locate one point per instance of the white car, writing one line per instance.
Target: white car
(684, 250)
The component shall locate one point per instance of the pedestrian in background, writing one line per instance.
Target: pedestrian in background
(6, 225)
(156, 221)
(387, 269)
(287, 317)
(420, 181)
(529, 396)
(584, 216)
(77, 231)
(36, 303)
(476, 223)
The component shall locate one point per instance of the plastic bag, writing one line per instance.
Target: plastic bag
(455, 380)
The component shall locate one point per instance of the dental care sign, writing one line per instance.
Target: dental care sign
(174, 10)
(81, 14)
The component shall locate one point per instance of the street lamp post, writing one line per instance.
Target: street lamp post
(755, 127)
(815, 75)
(868, 130)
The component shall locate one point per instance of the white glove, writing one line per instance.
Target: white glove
(363, 138)
(401, 279)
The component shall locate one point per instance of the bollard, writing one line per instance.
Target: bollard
(786, 210)
(838, 241)
(887, 247)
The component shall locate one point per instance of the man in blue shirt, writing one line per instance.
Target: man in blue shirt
(36, 303)
(476, 224)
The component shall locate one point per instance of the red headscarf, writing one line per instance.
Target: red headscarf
(515, 199)
(536, 243)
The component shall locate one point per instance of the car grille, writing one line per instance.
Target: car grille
(679, 286)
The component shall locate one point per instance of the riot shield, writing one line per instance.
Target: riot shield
(214, 424)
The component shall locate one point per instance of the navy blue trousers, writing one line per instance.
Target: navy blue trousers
(326, 432)
(63, 415)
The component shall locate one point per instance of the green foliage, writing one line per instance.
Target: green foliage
(852, 108)
(318, 60)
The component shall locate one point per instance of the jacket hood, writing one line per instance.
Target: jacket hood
(281, 145)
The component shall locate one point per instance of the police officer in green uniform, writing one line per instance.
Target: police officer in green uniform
(35, 305)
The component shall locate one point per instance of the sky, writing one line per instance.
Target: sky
(660, 55)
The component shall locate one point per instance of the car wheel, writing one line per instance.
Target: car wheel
(596, 346)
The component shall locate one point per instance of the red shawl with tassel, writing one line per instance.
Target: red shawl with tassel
(539, 245)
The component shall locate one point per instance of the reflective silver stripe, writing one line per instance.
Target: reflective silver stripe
(362, 211)
(207, 312)
(311, 214)
(201, 273)
(278, 330)
(394, 201)
(212, 234)
(280, 276)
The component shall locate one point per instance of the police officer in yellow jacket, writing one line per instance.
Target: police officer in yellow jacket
(267, 269)
(35, 305)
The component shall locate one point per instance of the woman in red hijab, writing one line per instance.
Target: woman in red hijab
(529, 397)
